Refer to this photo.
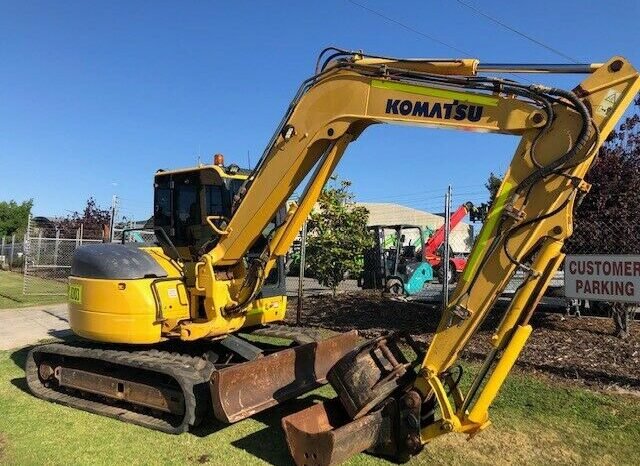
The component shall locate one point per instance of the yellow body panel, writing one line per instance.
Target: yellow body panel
(125, 311)
(110, 314)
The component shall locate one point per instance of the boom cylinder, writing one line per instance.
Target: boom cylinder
(557, 68)
(479, 412)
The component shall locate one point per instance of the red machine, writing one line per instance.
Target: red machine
(432, 247)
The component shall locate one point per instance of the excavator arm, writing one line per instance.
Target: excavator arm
(561, 132)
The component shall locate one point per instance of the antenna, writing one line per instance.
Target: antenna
(249, 160)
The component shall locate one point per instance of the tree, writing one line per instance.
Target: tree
(337, 235)
(493, 185)
(14, 217)
(93, 219)
(479, 212)
(607, 220)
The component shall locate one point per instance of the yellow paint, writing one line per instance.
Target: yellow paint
(479, 414)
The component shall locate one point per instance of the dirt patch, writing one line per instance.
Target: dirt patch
(577, 348)
(523, 444)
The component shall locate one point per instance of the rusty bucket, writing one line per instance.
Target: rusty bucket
(375, 409)
(245, 389)
(325, 435)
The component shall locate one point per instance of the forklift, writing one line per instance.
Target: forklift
(400, 268)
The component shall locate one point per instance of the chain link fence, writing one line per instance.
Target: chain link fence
(591, 236)
(11, 253)
(47, 256)
(46, 253)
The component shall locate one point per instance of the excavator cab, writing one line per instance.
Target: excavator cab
(185, 201)
(192, 208)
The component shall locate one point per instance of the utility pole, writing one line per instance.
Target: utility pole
(445, 257)
(303, 250)
(112, 222)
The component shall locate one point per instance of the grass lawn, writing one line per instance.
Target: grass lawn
(11, 291)
(535, 422)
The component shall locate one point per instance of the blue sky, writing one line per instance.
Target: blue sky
(95, 96)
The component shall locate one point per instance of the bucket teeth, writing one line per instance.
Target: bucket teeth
(324, 435)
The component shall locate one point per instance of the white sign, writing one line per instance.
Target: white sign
(602, 277)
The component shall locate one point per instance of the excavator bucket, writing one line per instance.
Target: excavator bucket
(242, 390)
(372, 412)
(324, 435)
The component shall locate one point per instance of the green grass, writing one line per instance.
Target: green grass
(535, 422)
(11, 284)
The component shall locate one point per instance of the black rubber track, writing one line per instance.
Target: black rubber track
(191, 374)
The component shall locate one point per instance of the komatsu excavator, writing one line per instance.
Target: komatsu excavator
(204, 282)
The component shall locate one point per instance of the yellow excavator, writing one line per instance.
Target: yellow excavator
(204, 282)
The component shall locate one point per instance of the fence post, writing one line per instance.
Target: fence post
(39, 247)
(112, 220)
(303, 250)
(55, 248)
(13, 246)
(2, 247)
(26, 252)
(445, 259)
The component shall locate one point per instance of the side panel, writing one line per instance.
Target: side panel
(124, 311)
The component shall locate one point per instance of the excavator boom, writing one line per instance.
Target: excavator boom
(561, 132)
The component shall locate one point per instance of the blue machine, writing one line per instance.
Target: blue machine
(417, 275)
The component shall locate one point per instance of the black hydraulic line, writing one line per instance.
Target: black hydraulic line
(581, 139)
(337, 51)
(519, 226)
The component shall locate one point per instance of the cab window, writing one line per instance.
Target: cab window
(162, 216)
(187, 208)
(215, 200)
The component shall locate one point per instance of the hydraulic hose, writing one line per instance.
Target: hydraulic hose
(581, 141)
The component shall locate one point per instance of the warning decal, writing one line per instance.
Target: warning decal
(608, 103)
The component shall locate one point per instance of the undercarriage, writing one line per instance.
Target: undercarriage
(175, 386)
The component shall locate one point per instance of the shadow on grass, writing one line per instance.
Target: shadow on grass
(269, 443)
(19, 357)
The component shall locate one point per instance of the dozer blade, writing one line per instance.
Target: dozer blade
(245, 389)
(376, 410)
